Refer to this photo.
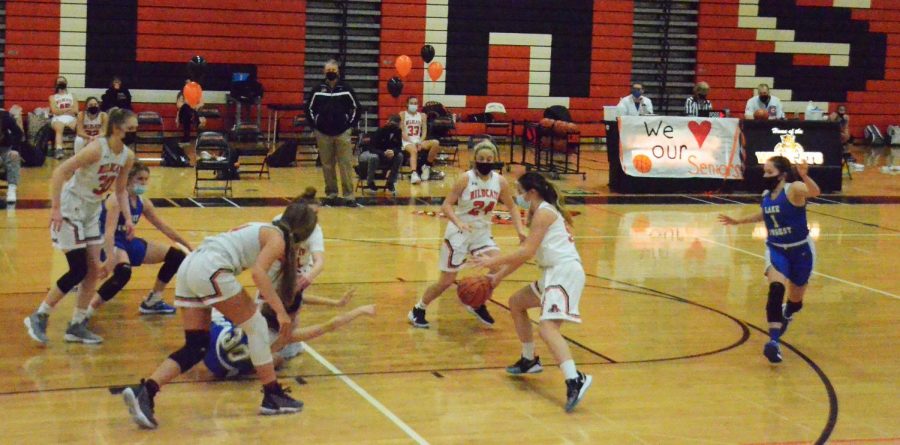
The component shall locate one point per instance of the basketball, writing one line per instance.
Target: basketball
(642, 163)
(761, 115)
(474, 291)
(547, 124)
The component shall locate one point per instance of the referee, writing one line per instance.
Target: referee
(698, 104)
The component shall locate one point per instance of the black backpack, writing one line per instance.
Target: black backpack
(31, 156)
(173, 155)
(285, 155)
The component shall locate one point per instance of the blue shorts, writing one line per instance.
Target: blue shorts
(795, 263)
(136, 250)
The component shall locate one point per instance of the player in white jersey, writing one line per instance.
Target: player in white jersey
(64, 109)
(77, 188)
(414, 129)
(207, 279)
(90, 124)
(469, 231)
(557, 292)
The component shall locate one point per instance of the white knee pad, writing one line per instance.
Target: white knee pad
(258, 339)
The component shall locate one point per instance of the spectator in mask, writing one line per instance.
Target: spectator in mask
(63, 108)
(90, 123)
(698, 103)
(116, 96)
(764, 101)
(414, 130)
(385, 149)
(332, 110)
(635, 104)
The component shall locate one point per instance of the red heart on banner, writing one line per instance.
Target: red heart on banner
(701, 131)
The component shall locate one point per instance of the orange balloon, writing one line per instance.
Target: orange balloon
(193, 94)
(435, 70)
(403, 65)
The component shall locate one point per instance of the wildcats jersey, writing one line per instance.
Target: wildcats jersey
(92, 125)
(558, 246)
(92, 182)
(412, 126)
(228, 354)
(239, 247)
(785, 222)
(478, 200)
(63, 101)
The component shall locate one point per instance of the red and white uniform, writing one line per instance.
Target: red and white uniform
(64, 102)
(412, 127)
(81, 198)
(92, 126)
(474, 207)
(562, 277)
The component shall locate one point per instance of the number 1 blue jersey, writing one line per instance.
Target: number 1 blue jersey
(228, 354)
(785, 222)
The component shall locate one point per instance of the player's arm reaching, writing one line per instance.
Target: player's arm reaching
(157, 221)
(540, 223)
(271, 249)
(507, 200)
(88, 155)
(804, 189)
(322, 301)
(729, 221)
(452, 198)
(335, 323)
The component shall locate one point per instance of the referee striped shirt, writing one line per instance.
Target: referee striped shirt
(693, 106)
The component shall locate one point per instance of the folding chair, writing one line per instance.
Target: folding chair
(218, 168)
(246, 142)
(151, 130)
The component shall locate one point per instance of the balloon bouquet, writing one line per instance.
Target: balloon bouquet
(403, 64)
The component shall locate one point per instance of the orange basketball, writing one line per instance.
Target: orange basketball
(761, 115)
(642, 163)
(474, 291)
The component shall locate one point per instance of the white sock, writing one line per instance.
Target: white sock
(568, 369)
(45, 308)
(528, 350)
(421, 305)
(153, 298)
(11, 187)
(78, 315)
(89, 312)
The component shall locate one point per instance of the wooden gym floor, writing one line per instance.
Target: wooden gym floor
(673, 313)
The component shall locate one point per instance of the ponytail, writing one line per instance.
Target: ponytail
(117, 118)
(286, 286)
(547, 191)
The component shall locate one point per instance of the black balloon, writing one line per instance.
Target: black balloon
(395, 86)
(427, 53)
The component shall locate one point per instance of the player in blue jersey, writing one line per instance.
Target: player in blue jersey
(228, 355)
(789, 249)
(137, 251)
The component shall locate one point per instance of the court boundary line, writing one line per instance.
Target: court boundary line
(824, 275)
(365, 395)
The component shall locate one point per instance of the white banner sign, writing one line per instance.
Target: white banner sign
(680, 147)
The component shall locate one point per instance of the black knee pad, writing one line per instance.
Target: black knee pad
(196, 343)
(170, 266)
(78, 269)
(120, 277)
(773, 306)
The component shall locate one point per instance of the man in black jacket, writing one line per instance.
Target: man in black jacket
(384, 149)
(10, 138)
(332, 110)
(116, 95)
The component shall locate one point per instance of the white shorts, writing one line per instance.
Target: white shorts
(79, 143)
(66, 119)
(205, 278)
(458, 245)
(560, 289)
(81, 224)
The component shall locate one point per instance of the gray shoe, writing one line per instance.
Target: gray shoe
(140, 406)
(79, 333)
(36, 324)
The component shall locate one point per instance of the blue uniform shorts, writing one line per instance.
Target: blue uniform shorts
(795, 263)
(136, 250)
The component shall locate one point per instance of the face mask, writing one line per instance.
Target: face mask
(636, 93)
(331, 75)
(130, 138)
(770, 182)
(702, 96)
(484, 168)
(61, 86)
(841, 113)
(764, 99)
(139, 189)
(93, 110)
(522, 202)
(412, 108)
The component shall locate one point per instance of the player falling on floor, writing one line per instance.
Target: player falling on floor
(557, 292)
(130, 253)
(474, 194)
(790, 253)
(77, 189)
(229, 357)
(207, 279)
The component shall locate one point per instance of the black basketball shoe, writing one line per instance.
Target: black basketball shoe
(279, 402)
(525, 366)
(482, 313)
(575, 389)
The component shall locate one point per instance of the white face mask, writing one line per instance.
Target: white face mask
(412, 108)
(522, 202)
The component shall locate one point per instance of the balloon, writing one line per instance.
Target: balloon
(395, 86)
(193, 94)
(435, 70)
(427, 53)
(403, 65)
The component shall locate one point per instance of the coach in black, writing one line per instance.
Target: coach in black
(332, 110)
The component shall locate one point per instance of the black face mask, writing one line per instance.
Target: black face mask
(702, 96)
(61, 86)
(130, 138)
(764, 99)
(93, 110)
(331, 75)
(770, 182)
(484, 168)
